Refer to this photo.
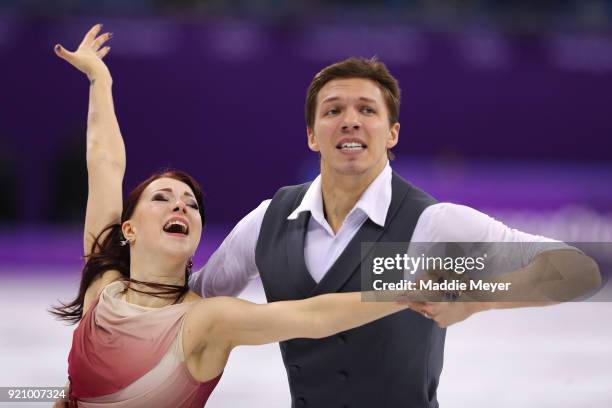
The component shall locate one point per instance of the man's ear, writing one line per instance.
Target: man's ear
(393, 135)
(312, 140)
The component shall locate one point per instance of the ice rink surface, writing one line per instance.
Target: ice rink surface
(557, 357)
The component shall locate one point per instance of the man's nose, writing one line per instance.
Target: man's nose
(350, 120)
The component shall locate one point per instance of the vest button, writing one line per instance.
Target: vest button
(301, 402)
(294, 368)
(342, 338)
(343, 375)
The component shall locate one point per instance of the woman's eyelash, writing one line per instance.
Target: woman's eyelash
(159, 197)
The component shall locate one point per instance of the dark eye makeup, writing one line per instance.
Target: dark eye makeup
(161, 197)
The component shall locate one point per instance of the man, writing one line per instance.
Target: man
(306, 241)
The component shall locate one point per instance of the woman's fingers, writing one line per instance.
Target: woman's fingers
(98, 42)
(91, 35)
(102, 53)
(88, 57)
(89, 44)
(63, 53)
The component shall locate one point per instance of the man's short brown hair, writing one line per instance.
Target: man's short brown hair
(356, 68)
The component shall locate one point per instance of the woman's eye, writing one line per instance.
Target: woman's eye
(194, 206)
(159, 197)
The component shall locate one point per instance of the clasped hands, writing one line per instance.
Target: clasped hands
(444, 308)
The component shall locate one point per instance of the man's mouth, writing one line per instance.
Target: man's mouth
(351, 146)
(174, 226)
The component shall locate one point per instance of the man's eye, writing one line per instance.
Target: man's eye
(367, 109)
(159, 197)
(333, 111)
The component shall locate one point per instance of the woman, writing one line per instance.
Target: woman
(144, 339)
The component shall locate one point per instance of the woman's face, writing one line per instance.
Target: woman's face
(166, 220)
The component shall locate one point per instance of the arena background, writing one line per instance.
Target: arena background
(506, 107)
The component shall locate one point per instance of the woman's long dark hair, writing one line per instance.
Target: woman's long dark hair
(109, 254)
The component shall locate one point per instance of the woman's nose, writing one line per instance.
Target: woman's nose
(180, 206)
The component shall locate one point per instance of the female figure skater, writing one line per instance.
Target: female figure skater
(144, 339)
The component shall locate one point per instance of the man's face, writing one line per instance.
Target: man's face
(351, 127)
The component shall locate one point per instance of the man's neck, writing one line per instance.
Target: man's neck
(341, 192)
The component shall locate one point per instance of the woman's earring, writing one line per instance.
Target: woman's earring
(189, 265)
(123, 241)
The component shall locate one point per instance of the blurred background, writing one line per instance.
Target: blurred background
(506, 107)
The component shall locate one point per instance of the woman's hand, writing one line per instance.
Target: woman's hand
(88, 57)
(60, 403)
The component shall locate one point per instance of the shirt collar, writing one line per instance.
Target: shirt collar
(374, 202)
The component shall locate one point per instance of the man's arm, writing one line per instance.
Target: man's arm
(546, 271)
(551, 277)
(232, 265)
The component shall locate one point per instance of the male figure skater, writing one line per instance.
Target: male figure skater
(306, 241)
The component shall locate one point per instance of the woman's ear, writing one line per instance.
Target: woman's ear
(129, 231)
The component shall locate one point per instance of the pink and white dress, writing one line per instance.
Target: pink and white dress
(125, 355)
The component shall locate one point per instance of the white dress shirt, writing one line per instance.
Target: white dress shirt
(232, 265)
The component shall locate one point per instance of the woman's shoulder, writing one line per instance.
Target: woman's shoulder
(191, 296)
(205, 313)
(96, 287)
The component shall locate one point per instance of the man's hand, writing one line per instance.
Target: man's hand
(88, 57)
(432, 304)
(447, 313)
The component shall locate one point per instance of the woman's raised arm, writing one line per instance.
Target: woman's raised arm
(105, 148)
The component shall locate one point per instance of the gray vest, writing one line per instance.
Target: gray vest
(390, 363)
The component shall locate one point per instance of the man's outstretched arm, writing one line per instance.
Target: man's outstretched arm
(545, 271)
(232, 265)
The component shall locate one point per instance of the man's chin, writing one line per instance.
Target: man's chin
(352, 168)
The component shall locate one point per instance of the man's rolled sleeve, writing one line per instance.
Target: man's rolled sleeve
(232, 265)
(447, 222)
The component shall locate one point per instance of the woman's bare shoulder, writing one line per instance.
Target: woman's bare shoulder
(205, 353)
(96, 287)
(191, 296)
(202, 318)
